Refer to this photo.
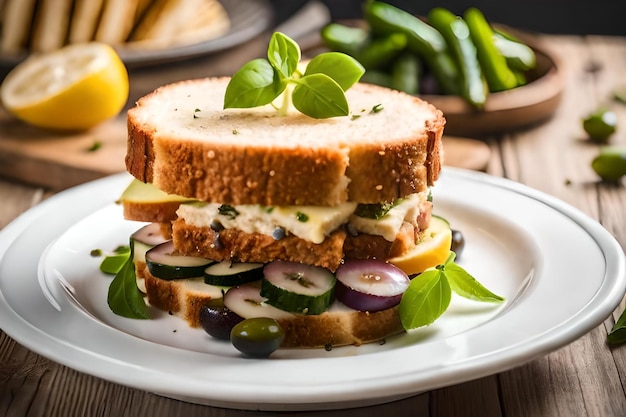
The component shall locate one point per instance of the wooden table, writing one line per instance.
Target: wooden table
(585, 378)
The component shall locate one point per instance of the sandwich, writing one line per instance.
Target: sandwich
(247, 201)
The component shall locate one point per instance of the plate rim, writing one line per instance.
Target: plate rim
(606, 242)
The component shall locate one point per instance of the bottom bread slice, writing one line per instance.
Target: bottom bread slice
(338, 326)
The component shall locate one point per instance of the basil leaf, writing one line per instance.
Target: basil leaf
(124, 298)
(425, 300)
(342, 68)
(618, 332)
(283, 54)
(255, 84)
(111, 264)
(318, 96)
(467, 286)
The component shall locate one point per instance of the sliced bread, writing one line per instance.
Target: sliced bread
(184, 142)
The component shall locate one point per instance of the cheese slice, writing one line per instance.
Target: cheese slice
(312, 223)
(388, 226)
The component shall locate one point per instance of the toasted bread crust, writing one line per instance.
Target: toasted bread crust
(256, 156)
(232, 244)
(235, 245)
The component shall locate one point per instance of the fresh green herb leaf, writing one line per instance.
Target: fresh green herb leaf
(467, 286)
(425, 300)
(302, 217)
(283, 54)
(124, 298)
(111, 264)
(319, 93)
(228, 211)
(617, 334)
(428, 295)
(255, 84)
(340, 67)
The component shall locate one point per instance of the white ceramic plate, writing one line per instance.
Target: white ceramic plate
(561, 273)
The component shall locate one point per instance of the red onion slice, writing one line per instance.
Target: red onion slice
(370, 285)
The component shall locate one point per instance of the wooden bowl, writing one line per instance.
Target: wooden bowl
(510, 110)
(505, 111)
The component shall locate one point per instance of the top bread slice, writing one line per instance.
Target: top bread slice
(182, 140)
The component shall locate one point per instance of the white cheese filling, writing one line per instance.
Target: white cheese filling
(311, 223)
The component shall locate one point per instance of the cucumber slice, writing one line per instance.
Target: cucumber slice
(164, 264)
(145, 239)
(232, 273)
(246, 301)
(298, 288)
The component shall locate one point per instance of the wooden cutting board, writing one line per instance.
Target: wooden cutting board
(60, 161)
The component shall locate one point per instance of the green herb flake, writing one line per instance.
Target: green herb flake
(377, 108)
(302, 217)
(319, 92)
(228, 211)
(94, 146)
(235, 132)
(374, 211)
(355, 116)
(429, 293)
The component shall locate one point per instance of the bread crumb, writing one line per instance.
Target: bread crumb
(211, 154)
(379, 187)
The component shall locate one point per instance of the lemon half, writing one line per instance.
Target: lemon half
(72, 88)
(433, 249)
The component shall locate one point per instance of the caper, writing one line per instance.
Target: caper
(600, 125)
(458, 242)
(610, 163)
(257, 337)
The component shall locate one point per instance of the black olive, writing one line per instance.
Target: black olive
(458, 242)
(217, 320)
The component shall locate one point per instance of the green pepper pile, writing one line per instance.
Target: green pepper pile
(464, 55)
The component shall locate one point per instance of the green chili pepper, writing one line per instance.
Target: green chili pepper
(519, 56)
(405, 73)
(422, 39)
(497, 73)
(381, 50)
(456, 33)
(342, 38)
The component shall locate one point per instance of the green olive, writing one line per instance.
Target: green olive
(257, 337)
(600, 125)
(610, 163)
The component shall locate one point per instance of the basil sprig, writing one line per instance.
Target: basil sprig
(429, 294)
(124, 298)
(617, 335)
(318, 93)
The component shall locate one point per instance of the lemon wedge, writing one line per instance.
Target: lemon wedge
(433, 249)
(72, 88)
